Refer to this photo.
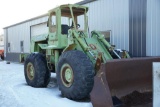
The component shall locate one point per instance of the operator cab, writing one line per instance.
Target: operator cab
(66, 17)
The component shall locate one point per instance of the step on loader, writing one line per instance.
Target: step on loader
(84, 61)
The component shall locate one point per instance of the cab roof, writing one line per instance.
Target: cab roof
(65, 10)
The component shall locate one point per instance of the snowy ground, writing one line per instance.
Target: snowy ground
(14, 92)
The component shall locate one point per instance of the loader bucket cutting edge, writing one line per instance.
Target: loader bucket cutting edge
(120, 77)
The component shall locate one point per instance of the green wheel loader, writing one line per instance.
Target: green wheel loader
(83, 61)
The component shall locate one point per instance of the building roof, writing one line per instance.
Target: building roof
(85, 2)
(79, 3)
(27, 20)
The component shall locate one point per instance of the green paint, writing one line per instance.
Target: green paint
(55, 43)
(68, 75)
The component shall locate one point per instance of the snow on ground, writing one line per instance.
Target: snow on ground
(14, 92)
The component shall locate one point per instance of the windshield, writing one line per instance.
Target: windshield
(75, 18)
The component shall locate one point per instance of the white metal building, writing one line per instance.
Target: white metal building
(133, 26)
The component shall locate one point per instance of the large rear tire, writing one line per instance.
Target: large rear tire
(75, 75)
(36, 71)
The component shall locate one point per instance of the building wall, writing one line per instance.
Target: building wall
(111, 15)
(21, 32)
(17, 33)
(153, 28)
(115, 15)
(137, 27)
(104, 15)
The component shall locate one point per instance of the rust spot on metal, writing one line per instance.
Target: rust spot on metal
(99, 75)
(124, 54)
(98, 61)
(120, 77)
(93, 46)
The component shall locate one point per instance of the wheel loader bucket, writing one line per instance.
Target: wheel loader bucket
(119, 78)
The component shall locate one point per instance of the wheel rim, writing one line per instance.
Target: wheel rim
(30, 71)
(67, 75)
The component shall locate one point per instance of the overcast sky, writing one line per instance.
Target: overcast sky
(14, 11)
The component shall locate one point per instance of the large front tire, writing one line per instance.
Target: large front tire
(36, 71)
(75, 75)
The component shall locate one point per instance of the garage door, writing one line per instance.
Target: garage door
(39, 29)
